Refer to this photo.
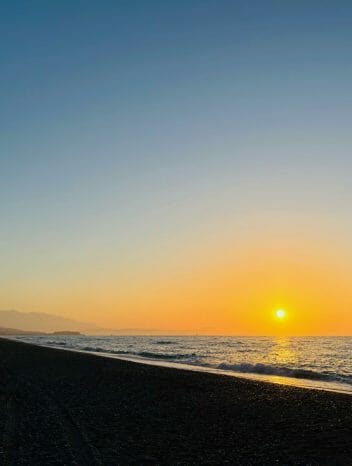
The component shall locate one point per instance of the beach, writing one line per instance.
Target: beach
(64, 407)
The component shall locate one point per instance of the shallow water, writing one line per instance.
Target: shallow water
(312, 362)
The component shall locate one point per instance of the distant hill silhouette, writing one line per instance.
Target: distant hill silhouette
(39, 322)
(15, 331)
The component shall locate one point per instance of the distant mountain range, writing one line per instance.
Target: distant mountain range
(40, 322)
(15, 331)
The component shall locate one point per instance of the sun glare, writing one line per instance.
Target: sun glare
(280, 313)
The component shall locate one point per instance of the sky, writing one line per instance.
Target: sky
(178, 166)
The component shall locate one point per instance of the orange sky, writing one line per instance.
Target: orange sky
(233, 289)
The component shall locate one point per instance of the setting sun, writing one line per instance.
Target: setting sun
(280, 313)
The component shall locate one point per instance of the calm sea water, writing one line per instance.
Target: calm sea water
(314, 362)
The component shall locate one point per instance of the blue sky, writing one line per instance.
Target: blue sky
(130, 127)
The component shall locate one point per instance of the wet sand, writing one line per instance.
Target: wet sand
(65, 408)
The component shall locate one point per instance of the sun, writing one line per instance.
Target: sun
(280, 313)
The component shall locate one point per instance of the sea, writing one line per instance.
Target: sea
(323, 363)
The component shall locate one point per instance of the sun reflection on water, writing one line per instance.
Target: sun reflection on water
(282, 351)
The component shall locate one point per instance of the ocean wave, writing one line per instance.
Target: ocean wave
(93, 349)
(267, 369)
(56, 343)
(163, 342)
(143, 354)
(98, 349)
(148, 354)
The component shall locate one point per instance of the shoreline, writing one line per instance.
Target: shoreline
(66, 407)
(304, 383)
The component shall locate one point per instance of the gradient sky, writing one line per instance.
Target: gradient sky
(178, 165)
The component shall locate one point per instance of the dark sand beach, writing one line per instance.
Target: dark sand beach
(60, 407)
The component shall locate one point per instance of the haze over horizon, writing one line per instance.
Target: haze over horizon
(180, 166)
(12, 319)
